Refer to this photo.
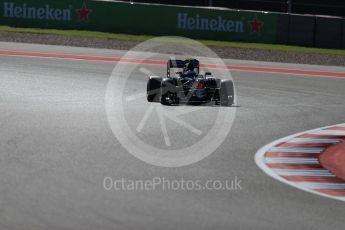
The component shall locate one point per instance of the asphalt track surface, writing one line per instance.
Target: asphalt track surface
(56, 147)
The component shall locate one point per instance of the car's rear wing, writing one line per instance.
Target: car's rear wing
(181, 64)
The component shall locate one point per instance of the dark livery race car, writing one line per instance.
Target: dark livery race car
(188, 86)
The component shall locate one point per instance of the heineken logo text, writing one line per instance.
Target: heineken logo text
(30, 12)
(219, 24)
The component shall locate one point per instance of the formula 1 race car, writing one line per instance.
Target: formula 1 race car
(189, 86)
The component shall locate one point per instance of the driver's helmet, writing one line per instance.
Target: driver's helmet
(188, 70)
(189, 66)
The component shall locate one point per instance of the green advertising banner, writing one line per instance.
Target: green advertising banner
(150, 19)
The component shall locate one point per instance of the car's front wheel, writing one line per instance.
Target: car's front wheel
(168, 95)
(169, 98)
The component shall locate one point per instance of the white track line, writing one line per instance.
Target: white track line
(291, 160)
(323, 185)
(313, 141)
(295, 150)
(303, 172)
(329, 132)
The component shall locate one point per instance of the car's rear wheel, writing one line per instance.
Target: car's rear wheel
(153, 89)
(226, 93)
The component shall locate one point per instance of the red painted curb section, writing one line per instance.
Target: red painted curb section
(162, 62)
(79, 57)
(333, 159)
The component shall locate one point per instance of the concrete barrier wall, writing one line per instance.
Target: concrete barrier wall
(123, 17)
(301, 30)
(328, 32)
(283, 29)
(343, 34)
(193, 22)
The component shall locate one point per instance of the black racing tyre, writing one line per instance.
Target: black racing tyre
(164, 101)
(226, 93)
(168, 89)
(164, 94)
(153, 89)
(216, 96)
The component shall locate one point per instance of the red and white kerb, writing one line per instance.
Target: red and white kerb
(298, 161)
